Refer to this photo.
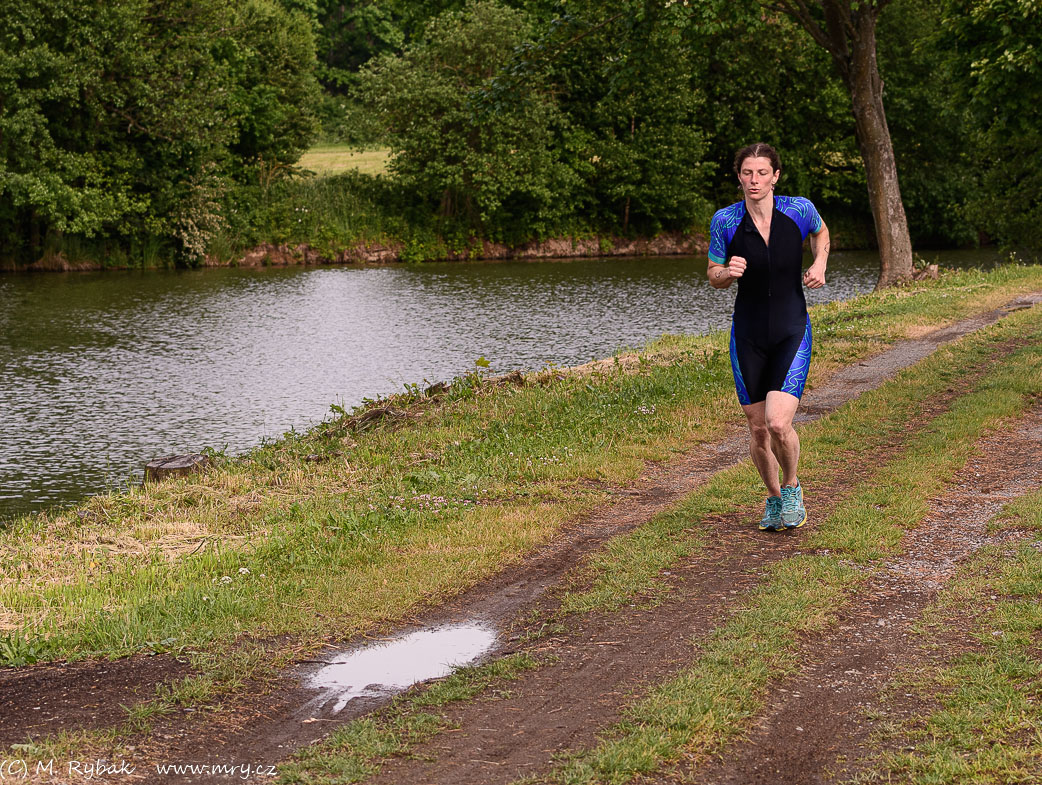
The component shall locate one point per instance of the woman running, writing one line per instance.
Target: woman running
(759, 242)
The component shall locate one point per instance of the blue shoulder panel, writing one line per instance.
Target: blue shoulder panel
(801, 211)
(722, 229)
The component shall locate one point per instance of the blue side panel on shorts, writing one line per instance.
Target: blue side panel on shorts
(722, 228)
(797, 375)
(739, 382)
(802, 211)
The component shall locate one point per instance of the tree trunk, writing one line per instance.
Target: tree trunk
(626, 209)
(849, 35)
(877, 150)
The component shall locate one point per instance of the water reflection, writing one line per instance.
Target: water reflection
(102, 371)
(398, 664)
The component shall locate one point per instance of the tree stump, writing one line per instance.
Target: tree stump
(930, 271)
(175, 466)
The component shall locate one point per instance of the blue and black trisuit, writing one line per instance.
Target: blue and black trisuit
(770, 330)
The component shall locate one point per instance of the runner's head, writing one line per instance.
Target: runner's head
(758, 169)
(757, 150)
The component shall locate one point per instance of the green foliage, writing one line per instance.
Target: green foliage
(348, 36)
(490, 168)
(132, 131)
(16, 649)
(133, 120)
(766, 80)
(998, 64)
(273, 86)
(932, 134)
(511, 124)
(625, 78)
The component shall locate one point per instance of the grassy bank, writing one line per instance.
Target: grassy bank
(360, 521)
(341, 205)
(346, 215)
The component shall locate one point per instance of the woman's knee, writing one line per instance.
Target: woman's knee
(760, 433)
(779, 426)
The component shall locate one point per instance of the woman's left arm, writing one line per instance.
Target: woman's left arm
(814, 278)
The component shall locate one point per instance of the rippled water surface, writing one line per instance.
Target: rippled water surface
(100, 372)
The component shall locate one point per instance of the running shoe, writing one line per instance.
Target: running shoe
(793, 513)
(772, 520)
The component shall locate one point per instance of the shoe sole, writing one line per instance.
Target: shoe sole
(797, 525)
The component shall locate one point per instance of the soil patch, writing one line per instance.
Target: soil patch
(44, 699)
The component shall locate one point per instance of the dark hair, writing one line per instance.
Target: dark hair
(757, 150)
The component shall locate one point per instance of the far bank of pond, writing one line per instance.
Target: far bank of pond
(392, 252)
(103, 371)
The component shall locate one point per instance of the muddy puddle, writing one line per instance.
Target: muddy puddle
(397, 664)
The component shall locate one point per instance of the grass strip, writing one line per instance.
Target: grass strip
(708, 704)
(1024, 513)
(331, 532)
(984, 728)
(630, 565)
(358, 749)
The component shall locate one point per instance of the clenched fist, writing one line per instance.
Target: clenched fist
(814, 278)
(736, 266)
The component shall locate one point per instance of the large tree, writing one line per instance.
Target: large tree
(128, 121)
(487, 166)
(997, 64)
(846, 29)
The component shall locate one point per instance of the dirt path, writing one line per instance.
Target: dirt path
(816, 722)
(500, 600)
(602, 659)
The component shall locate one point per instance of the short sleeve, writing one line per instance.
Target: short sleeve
(814, 221)
(717, 246)
(802, 211)
(721, 230)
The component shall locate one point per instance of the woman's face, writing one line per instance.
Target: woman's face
(757, 178)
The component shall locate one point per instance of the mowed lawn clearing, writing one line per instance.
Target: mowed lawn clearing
(331, 159)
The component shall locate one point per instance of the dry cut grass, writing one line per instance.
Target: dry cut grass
(336, 159)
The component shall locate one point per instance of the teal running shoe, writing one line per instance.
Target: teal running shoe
(793, 513)
(772, 520)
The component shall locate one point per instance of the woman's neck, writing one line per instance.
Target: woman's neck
(762, 208)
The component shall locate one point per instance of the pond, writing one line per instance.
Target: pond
(104, 371)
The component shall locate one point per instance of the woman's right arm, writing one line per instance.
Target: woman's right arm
(721, 275)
